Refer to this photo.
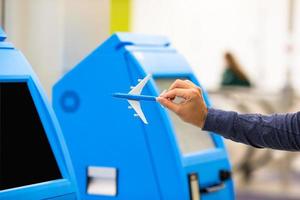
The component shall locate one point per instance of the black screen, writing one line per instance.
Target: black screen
(25, 153)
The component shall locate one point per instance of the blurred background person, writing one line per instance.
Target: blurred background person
(234, 75)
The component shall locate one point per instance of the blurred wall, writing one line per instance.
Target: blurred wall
(255, 30)
(296, 48)
(55, 35)
(86, 25)
(1, 12)
(36, 28)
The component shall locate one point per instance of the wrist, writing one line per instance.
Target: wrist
(203, 117)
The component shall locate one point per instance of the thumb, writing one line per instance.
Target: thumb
(168, 104)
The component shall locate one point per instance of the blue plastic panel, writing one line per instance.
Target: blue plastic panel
(100, 131)
(14, 68)
(168, 64)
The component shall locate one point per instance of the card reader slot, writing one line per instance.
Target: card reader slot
(212, 188)
(224, 175)
(196, 191)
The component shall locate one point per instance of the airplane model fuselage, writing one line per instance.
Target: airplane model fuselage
(134, 97)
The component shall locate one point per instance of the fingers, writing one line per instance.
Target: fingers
(171, 94)
(184, 84)
(179, 84)
(194, 86)
(190, 83)
(168, 104)
(163, 92)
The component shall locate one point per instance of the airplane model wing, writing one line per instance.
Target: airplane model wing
(134, 97)
(137, 107)
(136, 104)
(139, 87)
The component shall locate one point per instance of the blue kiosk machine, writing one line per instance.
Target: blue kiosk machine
(34, 162)
(116, 155)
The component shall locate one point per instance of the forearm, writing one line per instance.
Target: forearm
(278, 131)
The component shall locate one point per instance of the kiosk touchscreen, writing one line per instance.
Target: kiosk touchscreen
(115, 154)
(34, 163)
(190, 138)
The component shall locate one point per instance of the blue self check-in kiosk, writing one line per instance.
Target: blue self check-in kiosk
(34, 162)
(116, 155)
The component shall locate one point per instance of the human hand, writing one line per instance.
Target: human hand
(192, 109)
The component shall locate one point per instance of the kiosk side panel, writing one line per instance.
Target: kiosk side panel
(101, 131)
(34, 161)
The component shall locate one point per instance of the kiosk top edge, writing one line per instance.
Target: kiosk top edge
(121, 39)
(2, 35)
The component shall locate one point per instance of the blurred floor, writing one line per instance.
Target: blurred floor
(251, 196)
(261, 174)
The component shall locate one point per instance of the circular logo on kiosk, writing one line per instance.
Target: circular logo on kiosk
(70, 101)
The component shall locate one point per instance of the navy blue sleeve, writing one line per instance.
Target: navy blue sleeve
(278, 131)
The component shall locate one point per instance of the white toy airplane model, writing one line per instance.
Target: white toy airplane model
(134, 97)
